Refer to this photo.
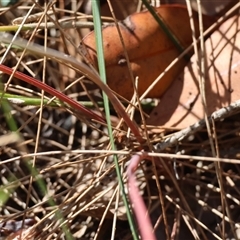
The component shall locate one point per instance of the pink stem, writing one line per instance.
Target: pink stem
(139, 208)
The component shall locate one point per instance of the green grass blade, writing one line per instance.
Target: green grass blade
(101, 65)
(21, 100)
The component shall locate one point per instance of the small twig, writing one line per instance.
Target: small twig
(222, 113)
(64, 25)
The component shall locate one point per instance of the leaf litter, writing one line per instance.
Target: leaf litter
(199, 198)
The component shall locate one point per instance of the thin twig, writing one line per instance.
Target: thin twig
(222, 113)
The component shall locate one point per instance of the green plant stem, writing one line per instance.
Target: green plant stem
(36, 101)
(101, 65)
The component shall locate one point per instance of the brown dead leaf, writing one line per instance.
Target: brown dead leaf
(149, 49)
(181, 105)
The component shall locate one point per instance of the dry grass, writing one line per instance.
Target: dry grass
(200, 197)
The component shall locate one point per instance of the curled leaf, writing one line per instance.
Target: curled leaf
(149, 49)
(181, 106)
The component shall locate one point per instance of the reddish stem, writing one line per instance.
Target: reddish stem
(52, 91)
(139, 208)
